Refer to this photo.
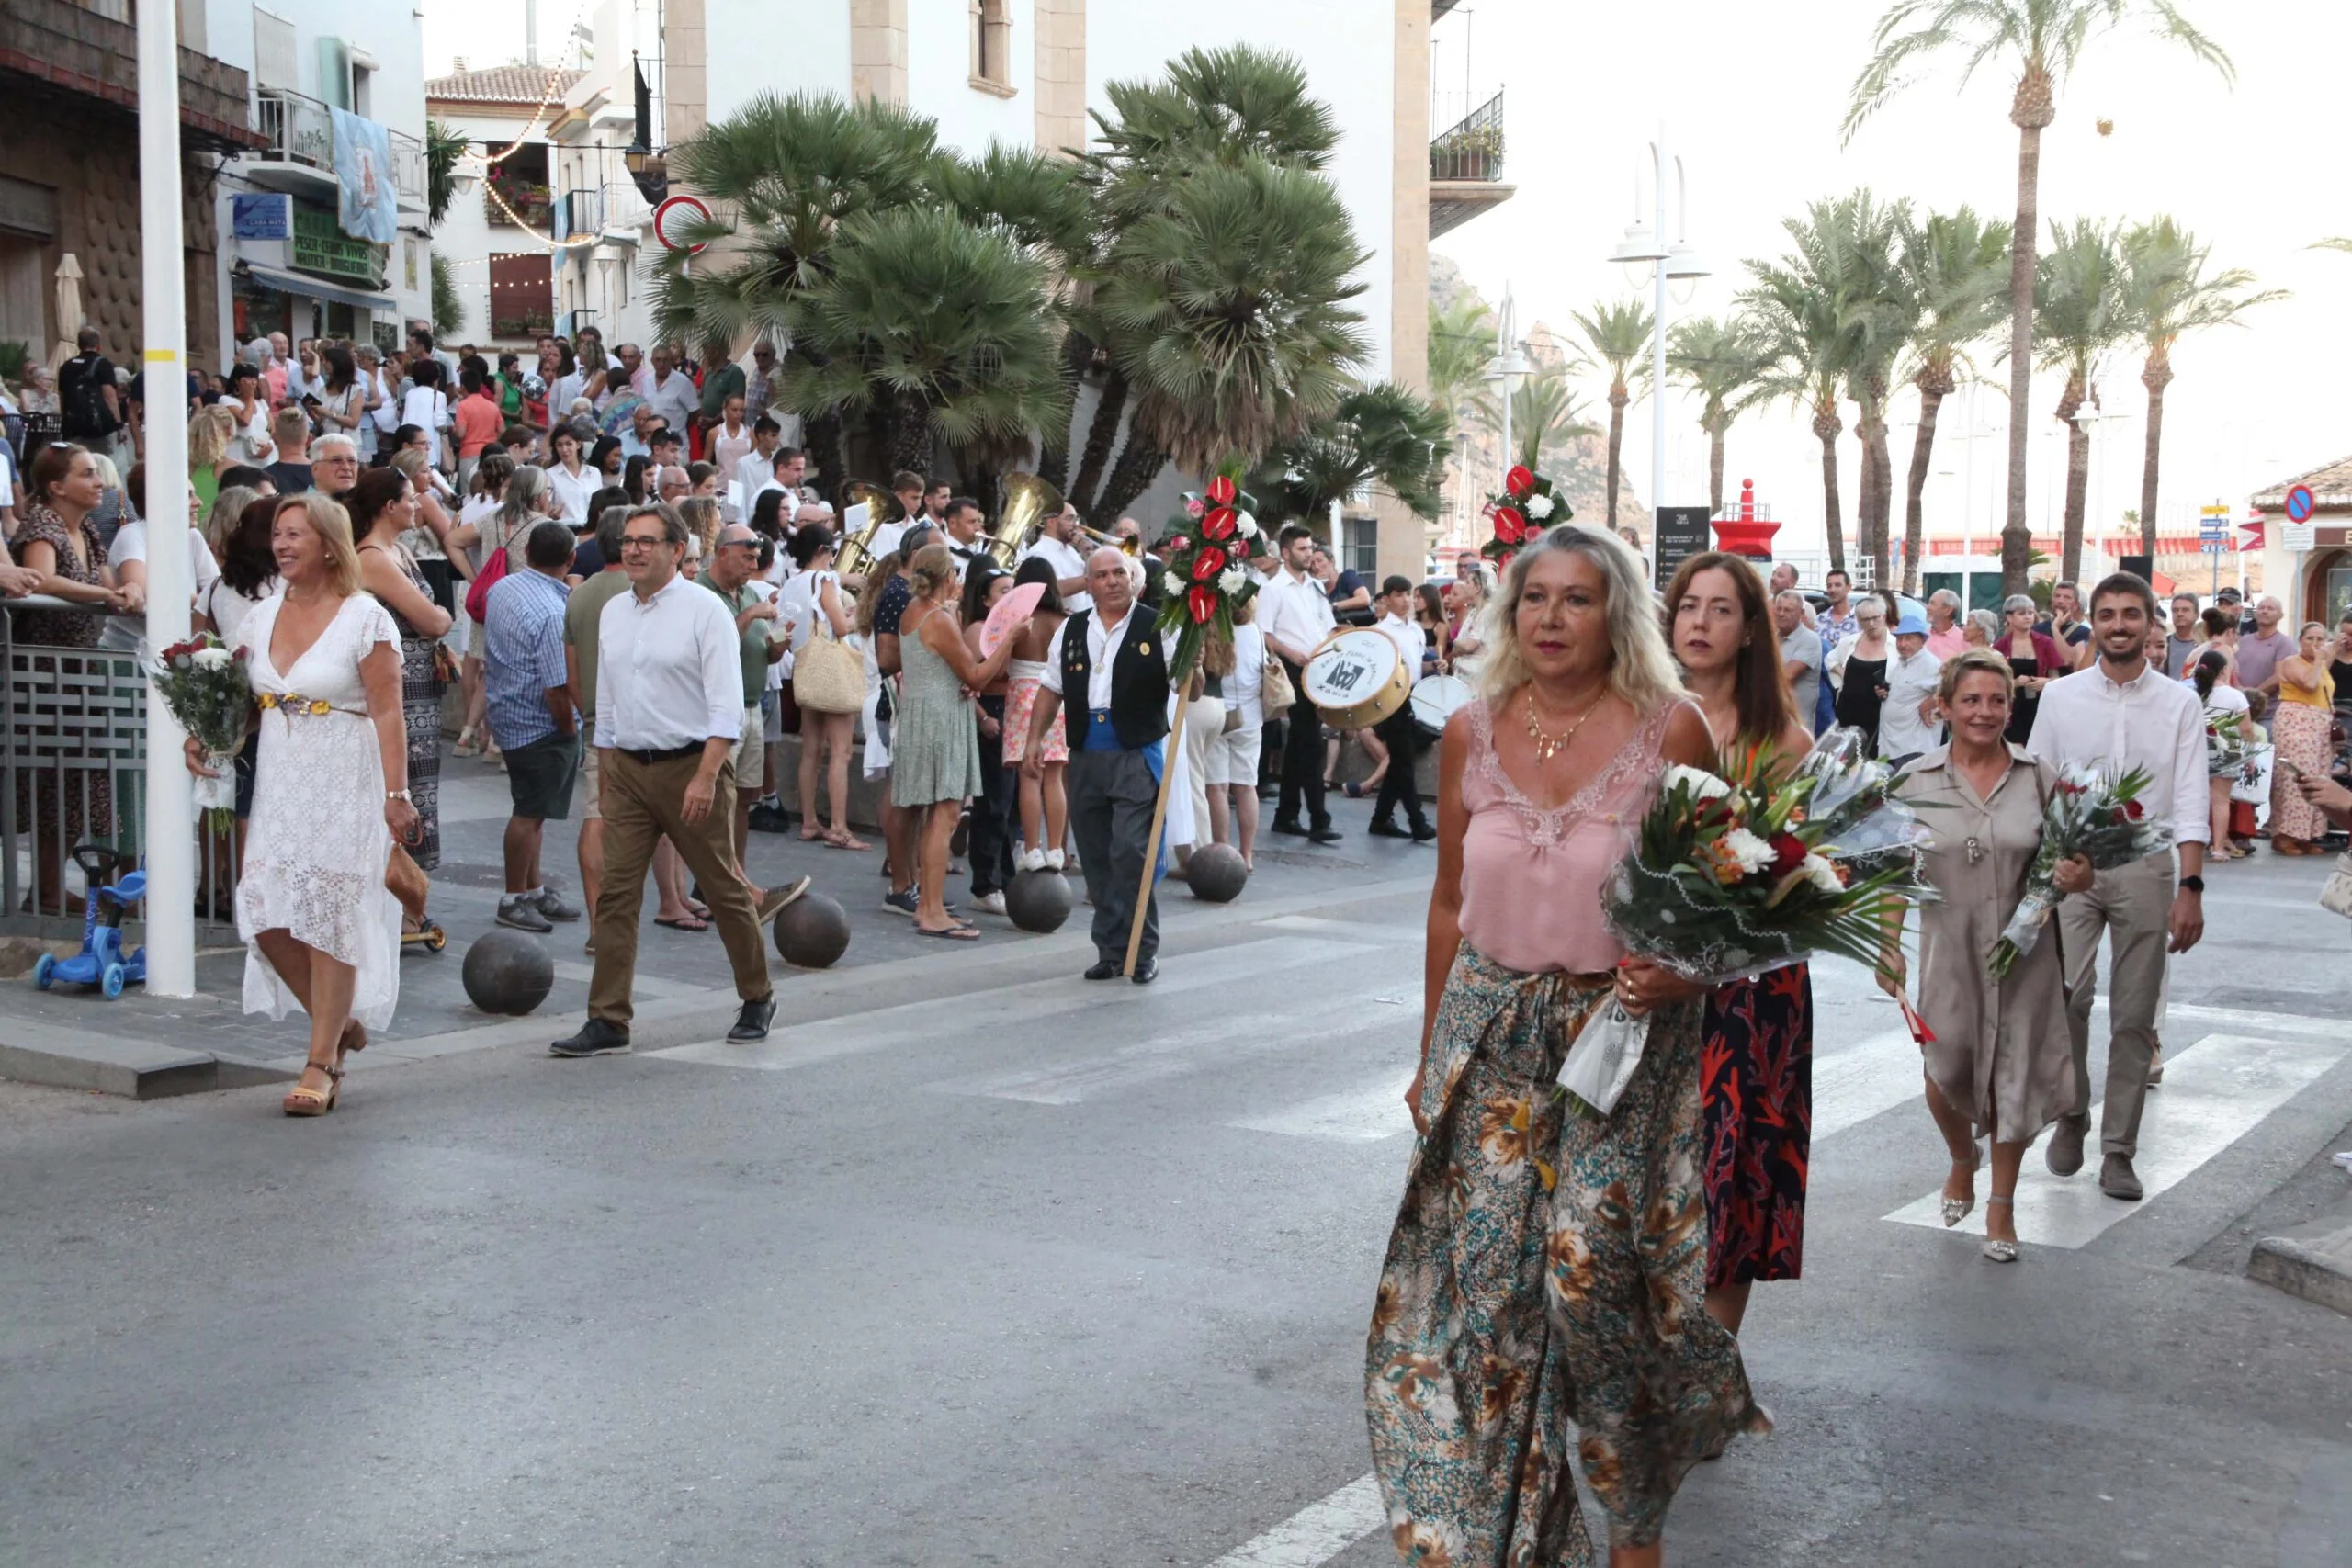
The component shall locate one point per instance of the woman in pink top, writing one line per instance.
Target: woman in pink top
(1546, 1273)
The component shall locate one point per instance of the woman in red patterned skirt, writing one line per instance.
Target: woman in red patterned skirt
(1756, 1050)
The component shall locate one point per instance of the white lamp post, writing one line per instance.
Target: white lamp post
(1677, 259)
(1509, 369)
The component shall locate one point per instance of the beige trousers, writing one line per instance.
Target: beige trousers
(642, 804)
(2129, 905)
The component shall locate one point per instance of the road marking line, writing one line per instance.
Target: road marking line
(1109, 1006)
(1877, 1075)
(2213, 1094)
(1361, 1115)
(1316, 1533)
(1359, 929)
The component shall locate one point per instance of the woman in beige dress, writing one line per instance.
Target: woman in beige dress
(1998, 1062)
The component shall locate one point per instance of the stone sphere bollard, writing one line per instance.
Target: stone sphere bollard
(508, 971)
(812, 931)
(1038, 900)
(1216, 872)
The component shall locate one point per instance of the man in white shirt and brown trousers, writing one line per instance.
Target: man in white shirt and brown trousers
(2121, 714)
(669, 713)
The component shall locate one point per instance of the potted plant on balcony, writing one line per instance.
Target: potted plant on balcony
(528, 200)
(1467, 152)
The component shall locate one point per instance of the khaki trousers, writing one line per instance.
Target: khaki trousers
(2131, 905)
(642, 803)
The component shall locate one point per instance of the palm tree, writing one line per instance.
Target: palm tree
(1724, 362)
(443, 148)
(1619, 334)
(1462, 340)
(1805, 306)
(1229, 317)
(2043, 41)
(1881, 311)
(2080, 312)
(1546, 415)
(1957, 264)
(1217, 108)
(1383, 434)
(942, 329)
(2168, 293)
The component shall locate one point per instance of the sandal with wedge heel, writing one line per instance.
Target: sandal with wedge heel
(301, 1100)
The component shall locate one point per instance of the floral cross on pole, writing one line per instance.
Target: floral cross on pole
(1207, 571)
(1528, 505)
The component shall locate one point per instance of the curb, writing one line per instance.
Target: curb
(136, 1069)
(2313, 1261)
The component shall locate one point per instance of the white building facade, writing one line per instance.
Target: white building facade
(494, 236)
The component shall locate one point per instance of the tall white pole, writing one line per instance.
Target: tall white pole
(169, 835)
(1657, 361)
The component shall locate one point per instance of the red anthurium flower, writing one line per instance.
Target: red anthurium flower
(1510, 526)
(1518, 482)
(1222, 490)
(1209, 563)
(1220, 524)
(1201, 603)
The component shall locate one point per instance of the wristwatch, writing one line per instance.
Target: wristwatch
(401, 795)
(2193, 883)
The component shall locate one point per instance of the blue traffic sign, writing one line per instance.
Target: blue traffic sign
(2299, 504)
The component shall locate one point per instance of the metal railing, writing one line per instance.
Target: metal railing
(72, 773)
(1472, 149)
(300, 129)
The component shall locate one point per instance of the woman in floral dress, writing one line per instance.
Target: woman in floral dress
(1756, 1067)
(1546, 1269)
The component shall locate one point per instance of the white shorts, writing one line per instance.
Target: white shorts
(1233, 756)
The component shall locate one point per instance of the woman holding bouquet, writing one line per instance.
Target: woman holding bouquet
(2224, 704)
(1996, 1054)
(1546, 1269)
(1756, 1067)
(331, 797)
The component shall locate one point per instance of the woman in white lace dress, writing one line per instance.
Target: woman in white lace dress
(322, 932)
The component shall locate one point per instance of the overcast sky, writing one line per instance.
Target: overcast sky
(1753, 95)
(1753, 101)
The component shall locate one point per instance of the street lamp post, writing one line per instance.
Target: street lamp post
(1508, 370)
(1675, 261)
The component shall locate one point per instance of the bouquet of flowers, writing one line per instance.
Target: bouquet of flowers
(1734, 875)
(2096, 813)
(1528, 505)
(1205, 570)
(206, 688)
(2232, 742)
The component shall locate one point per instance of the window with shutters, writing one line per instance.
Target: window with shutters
(276, 63)
(992, 46)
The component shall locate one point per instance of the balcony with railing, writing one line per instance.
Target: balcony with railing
(55, 51)
(298, 155)
(1466, 168)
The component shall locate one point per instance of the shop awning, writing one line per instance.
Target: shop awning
(319, 288)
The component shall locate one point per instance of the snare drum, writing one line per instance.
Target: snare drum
(1357, 679)
(1435, 698)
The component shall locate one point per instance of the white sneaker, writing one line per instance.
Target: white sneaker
(1031, 860)
(1053, 860)
(992, 902)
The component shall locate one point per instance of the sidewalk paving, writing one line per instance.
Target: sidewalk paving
(143, 1046)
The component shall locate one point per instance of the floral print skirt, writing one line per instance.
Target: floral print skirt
(1546, 1274)
(1755, 1082)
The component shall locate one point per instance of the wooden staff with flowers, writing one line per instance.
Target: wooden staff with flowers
(1206, 579)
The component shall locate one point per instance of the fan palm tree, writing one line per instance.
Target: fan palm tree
(1462, 340)
(1724, 362)
(1957, 264)
(1229, 317)
(2042, 41)
(2168, 292)
(443, 148)
(1383, 435)
(1806, 305)
(2080, 312)
(1216, 108)
(1546, 415)
(941, 328)
(1618, 332)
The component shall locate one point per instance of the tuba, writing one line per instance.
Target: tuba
(857, 553)
(1028, 502)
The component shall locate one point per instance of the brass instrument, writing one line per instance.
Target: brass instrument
(1028, 502)
(857, 554)
(1124, 544)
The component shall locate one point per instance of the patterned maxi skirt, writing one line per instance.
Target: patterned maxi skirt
(1756, 1083)
(421, 715)
(1546, 1273)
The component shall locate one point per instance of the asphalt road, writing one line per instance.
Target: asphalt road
(989, 1266)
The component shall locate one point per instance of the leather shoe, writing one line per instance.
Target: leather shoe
(1289, 829)
(1424, 833)
(2118, 1179)
(596, 1038)
(1325, 835)
(1384, 828)
(2063, 1155)
(752, 1023)
(1146, 971)
(1103, 969)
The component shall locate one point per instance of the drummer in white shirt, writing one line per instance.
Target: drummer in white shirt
(1397, 783)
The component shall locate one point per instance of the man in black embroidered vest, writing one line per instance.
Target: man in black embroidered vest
(1113, 663)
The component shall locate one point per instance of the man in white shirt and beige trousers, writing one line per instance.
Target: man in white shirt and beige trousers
(669, 713)
(2121, 713)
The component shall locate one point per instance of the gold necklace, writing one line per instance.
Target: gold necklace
(1546, 747)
